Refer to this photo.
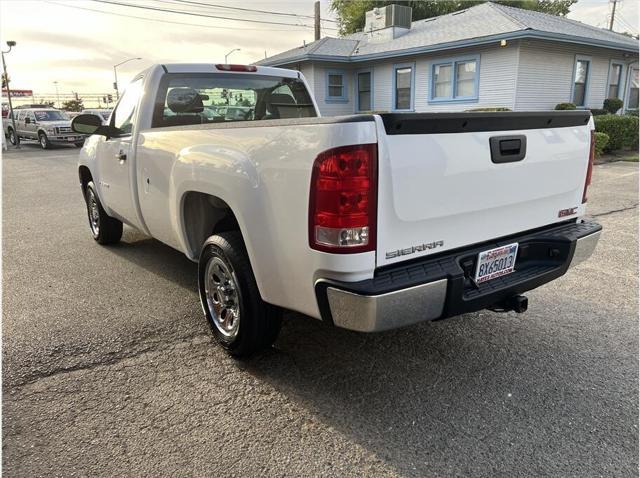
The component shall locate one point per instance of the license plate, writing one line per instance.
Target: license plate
(496, 262)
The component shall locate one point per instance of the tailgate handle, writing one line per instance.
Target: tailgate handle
(508, 149)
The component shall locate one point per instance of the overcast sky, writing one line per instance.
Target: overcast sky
(73, 43)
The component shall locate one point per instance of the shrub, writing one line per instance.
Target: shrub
(565, 106)
(612, 105)
(622, 131)
(598, 112)
(497, 108)
(601, 142)
(632, 113)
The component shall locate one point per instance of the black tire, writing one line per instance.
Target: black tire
(43, 140)
(79, 144)
(13, 138)
(104, 229)
(259, 322)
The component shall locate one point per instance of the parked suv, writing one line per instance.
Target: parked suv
(46, 125)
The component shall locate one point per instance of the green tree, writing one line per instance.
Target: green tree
(350, 13)
(73, 105)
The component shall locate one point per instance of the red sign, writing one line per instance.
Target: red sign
(18, 93)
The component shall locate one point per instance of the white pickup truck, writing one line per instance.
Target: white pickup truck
(367, 222)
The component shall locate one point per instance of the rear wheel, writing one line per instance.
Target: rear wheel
(104, 228)
(241, 321)
(44, 141)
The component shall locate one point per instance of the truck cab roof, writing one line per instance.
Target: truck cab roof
(212, 68)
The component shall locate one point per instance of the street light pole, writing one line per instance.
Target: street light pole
(57, 94)
(115, 75)
(10, 44)
(227, 55)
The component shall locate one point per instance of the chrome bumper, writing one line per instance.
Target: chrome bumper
(584, 248)
(372, 313)
(428, 301)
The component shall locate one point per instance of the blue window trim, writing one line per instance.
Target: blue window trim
(621, 80)
(587, 85)
(396, 67)
(453, 61)
(356, 95)
(627, 86)
(344, 98)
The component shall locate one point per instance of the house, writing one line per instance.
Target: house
(489, 55)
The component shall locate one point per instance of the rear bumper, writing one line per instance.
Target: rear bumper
(439, 287)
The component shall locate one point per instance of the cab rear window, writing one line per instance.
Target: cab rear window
(187, 99)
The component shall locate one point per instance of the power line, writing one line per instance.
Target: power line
(169, 21)
(218, 17)
(624, 24)
(191, 2)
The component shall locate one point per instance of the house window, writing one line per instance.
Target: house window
(336, 86)
(455, 80)
(615, 75)
(442, 81)
(364, 90)
(403, 87)
(633, 90)
(580, 81)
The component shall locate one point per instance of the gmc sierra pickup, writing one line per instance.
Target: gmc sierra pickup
(368, 222)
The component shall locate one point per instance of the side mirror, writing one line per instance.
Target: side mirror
(27, 121)
(88, 124)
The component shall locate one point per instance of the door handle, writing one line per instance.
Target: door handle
(121, 156)
(508, 149)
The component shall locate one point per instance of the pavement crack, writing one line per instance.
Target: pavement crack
(628, 208)
(108, 359)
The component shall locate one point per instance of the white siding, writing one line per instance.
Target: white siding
(307, 70)
(320, 89)
(525, 75)
(497, 81)
(545, 74)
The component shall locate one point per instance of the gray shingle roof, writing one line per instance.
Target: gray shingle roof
(487, 21)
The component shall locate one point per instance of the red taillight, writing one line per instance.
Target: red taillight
(592, 154)
(343, 200)
(226, 67)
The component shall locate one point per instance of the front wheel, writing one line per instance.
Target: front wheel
(44, 141)
(241, 321)
(13, 138)
(104, 228)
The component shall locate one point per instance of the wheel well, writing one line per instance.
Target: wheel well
(205, 215)
(85, 176)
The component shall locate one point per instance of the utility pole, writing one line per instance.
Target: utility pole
(316, 20)
(613, 14)
(10, 44)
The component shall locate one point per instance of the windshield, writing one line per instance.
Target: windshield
(51, 116)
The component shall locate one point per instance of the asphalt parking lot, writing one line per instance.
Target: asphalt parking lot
(109, 367)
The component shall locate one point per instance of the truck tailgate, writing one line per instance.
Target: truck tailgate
(441, 188)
